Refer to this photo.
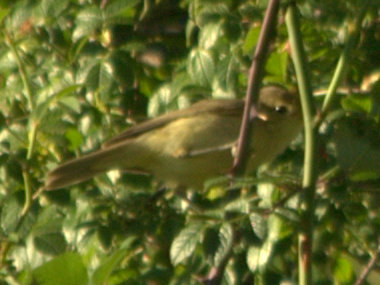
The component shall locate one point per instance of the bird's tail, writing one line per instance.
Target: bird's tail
(88, 166)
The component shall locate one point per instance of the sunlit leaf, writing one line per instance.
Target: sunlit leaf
(185, 243)
(201, 67)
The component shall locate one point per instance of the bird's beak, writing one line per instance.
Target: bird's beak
(262, 116)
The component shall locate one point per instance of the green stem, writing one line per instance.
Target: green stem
(28, 193)
(352, 33)
(306, 206)
(32, 133)
(22, 70)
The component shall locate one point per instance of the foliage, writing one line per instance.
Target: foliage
(74, 73)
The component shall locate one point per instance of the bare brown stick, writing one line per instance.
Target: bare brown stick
(255, 76)
(371, 264)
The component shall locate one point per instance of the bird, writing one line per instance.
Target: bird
(187, 147)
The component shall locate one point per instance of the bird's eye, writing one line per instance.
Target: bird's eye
(281, 109)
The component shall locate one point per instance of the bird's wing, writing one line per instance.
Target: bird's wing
(223, 107)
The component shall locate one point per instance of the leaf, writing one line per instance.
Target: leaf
(251, 40)
(47, 232)
(227, 71)
(52, 8)
(356, 152)
(226, 235)
(11, 211)
(75, 138)
(88, 20)
(277, 228)
(120, 12)
(358, 103)
(185, 243)
(42, 108)
(277, 67)
(258, 257)
(209, 36)
(217, 243)
(122, 68)
(103, 272)
(201, 67)
(259, 225)
(67, 269)
(343, 271)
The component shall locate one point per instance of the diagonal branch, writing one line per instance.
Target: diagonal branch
(255, 76)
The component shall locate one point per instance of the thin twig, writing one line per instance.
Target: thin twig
(255, 76)
(371, 264)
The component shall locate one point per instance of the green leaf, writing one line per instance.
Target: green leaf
(185, 243)
(259, 225)
(277, 228)
(11, 211)
(43, 106)
(343, 271)
(67, 269)
(226, 235)
(88, 21)
(120, 12)
(122, 68)
(277, 67)
(3, 13)
(51, 8)
(103, 272)
(47, 232)
(357, 153)
(217, 243)
(258, 257)
(358, 103)
(75, 138)
(251, 40)
(201, 67)
(209, 35)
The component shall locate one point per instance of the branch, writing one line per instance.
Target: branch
(255, 76)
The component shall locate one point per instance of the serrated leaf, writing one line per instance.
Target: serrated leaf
(185, 243)
(226, 236)
(67, 269)
(201, 67)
